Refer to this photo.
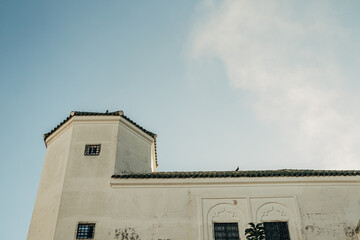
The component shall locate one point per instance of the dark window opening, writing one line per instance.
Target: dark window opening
(226, 231)
(85, 231)
(91, 150)
(276, 231)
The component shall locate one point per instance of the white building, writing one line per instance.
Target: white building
(100, 182)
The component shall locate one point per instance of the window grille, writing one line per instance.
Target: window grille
(226, 231)
(92, 150)
(276, 231)
(85, 231)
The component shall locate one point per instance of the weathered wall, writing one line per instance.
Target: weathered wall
(133, 151)
(86, 187)
(185, 209)
(87, 176)
(330, 212)
(76, 188)
(70, 179)
(48, 198)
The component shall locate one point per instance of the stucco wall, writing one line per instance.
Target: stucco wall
(186, 209)
(71, 181)
(133, 151)
(86, 177)
(86, 188)
(76, 188)
(44, 218)
(330, 212)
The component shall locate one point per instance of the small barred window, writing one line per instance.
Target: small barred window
(85, 231)
(91, 150)
(276, 231)
(226, 231)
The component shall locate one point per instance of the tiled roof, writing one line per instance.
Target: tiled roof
(107, 113)
(239, 174)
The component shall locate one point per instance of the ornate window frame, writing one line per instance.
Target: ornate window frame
(225, 213)
(276, 212)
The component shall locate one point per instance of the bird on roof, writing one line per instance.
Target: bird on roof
(237, 169)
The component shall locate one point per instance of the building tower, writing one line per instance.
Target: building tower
(82, 153)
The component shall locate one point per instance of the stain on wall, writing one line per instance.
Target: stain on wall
(326, 224)
(127, 233)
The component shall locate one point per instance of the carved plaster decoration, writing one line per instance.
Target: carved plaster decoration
(280, 210)
(273, 212)
(225, 212)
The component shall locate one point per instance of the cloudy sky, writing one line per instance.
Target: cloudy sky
(254, 84)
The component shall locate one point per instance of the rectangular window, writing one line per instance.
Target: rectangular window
(226, 231)
(92, 150)
(85, 231)
(276, 231)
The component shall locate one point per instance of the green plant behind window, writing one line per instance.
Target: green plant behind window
(255, 232)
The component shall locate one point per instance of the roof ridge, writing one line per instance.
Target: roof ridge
(106, 113)
(82, 113)
(244, 173)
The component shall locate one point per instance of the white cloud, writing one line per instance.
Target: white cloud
(286, 58)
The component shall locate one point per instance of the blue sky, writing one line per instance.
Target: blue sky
(265, 85)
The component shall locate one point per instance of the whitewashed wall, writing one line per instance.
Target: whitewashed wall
(76, 188)
(314, 207)
(70, 179)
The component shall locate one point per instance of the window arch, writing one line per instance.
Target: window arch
(226, 216)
